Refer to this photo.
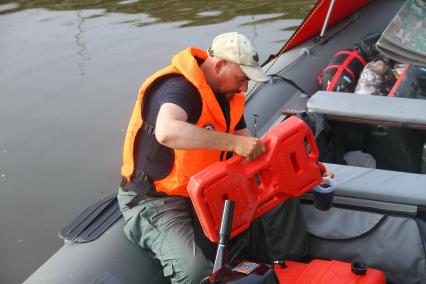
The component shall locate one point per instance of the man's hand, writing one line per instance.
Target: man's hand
(249, 147)
(328, 174)
(328, 178)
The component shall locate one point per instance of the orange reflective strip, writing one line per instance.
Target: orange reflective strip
(401, 76)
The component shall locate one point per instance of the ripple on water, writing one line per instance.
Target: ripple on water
(9, 6)
(127, 2)
(209, 13)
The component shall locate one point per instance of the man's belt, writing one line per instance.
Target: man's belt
(142, 185)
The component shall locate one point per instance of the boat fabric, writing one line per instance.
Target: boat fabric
(109, 259)
(393, 244)
(186, 162)
(390, 109)
(380, 185)
(388, 233)
(357, 223)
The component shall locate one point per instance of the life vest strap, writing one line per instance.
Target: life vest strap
(153, 148)
(142, 186)
(141, 183)
(138, 175)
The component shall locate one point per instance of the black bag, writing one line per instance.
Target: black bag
(330, 146)
(342, 72)
(367, 47)
(411, 84)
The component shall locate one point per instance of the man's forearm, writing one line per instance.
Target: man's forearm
(173, 131)
(183, 135)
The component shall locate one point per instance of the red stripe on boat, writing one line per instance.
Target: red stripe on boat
(401, 76)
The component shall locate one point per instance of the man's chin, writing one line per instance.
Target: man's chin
(229, 96)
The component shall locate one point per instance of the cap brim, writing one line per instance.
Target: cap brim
(255, 73)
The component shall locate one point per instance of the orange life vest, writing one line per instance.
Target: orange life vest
(186, 162)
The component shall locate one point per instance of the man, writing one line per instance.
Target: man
(187, 116)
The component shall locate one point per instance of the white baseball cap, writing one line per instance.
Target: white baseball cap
(237, 48)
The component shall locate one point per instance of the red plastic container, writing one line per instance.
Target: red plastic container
(325, 272)
(286, 169)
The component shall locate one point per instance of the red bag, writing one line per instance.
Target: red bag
(342, 72)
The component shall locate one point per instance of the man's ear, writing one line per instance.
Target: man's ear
(220, 64)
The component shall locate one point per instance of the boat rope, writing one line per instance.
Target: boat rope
(291, 82)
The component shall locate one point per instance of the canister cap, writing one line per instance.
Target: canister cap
(359, 268)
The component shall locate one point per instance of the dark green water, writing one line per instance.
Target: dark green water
(69, 75)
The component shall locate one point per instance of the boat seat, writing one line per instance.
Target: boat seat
(382, 190)
(369, 109)
(391, 129)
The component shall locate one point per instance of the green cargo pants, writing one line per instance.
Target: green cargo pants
(164, 226)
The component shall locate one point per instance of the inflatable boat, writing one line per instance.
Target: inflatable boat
(378, 215)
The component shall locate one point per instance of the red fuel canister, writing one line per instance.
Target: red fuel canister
(288, 168)
(326, 272)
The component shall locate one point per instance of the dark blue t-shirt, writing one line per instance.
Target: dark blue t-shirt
(178, 90)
